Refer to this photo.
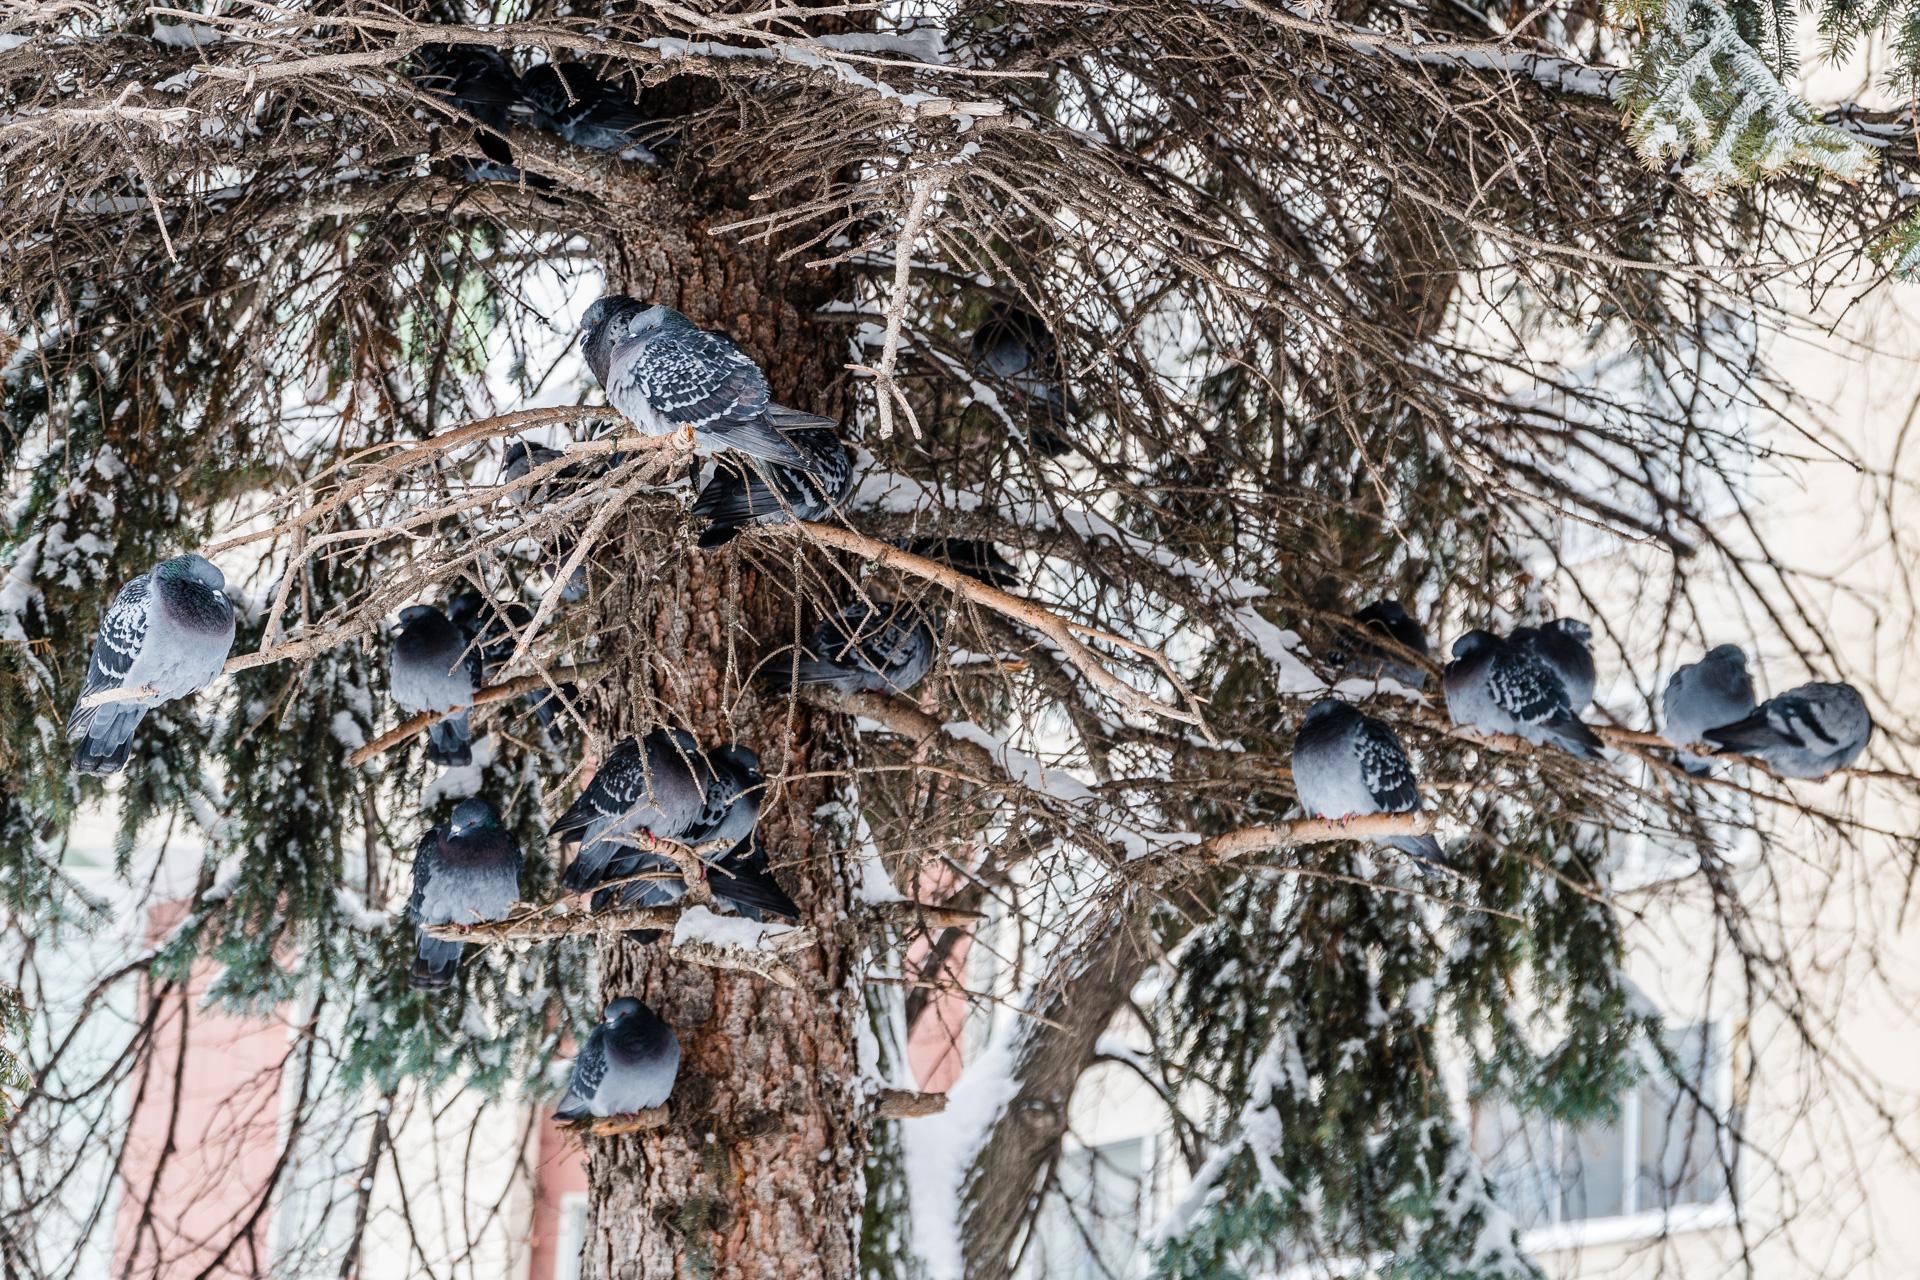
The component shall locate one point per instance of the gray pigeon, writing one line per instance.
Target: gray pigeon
(1705, 695)
(738, 877)
(1503, 687)
(1389, 633)
(655, 786)
(465, 872)
(745, 491)
(573, 101)
(978, 558)
(434, 669)
(1806, 732)
(1564, 644)
(1015, 348)
(627, 1065)
(1346, 764)
(668, 375)
(168, 630)
(882, 649)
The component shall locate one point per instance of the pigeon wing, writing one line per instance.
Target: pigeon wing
(589, 1069)
(1525, 687)
(123, 633)
(424, 855)
(1385, 769)
(697, 377)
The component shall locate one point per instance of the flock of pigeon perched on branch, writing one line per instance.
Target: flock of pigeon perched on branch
(661, 811)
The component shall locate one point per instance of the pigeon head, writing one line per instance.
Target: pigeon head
(624, 1007)
(195, 569)
(1572, 628)
(523, 456)
(1732, 653)
(1390, 619)
(607, 321)
(1474, 642)
(470, 815)
(463, 610)
(1327, 708)
(416, 613)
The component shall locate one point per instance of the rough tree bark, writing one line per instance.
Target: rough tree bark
(758, 1172)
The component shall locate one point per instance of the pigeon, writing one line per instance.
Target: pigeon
(1563, 644)
(975, 557)
(1705, 695)
(433, 669)
(464, 872)
(492, 633)
(884, 648)
(478, 82)
(1503, 687)
(1388, 632)
(1806, 732)
(571, 100)
(1015, 348)
(739, 876)
(656, 786)
(627, 1065)
(167, 632)
(521, 457)
(745, 491)
(1346, 764)
(667, 375)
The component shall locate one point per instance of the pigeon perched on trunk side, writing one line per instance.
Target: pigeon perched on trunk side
(1503, 687)
(884, 648)
(433, 669)
(668, 375)
(1380, 653)
(746, 491)
(572, 100)
(465, 872)
(739, 876)
(976, 557)
(627, 1065)
(1806, 732)
(655, 786)
(167, 632)
(1705, 695)
(1565, 645)
(1014, 348)
(1346, 764)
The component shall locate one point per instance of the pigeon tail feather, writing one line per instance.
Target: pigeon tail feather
(109, 738)
(436, 964)
(1754, 733)
(1574, 736)
(1424, 848)
(793, 419)
(752, 893)
(450, 742)
(816, 671)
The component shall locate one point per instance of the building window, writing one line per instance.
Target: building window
(1665, 1150)
(573, 1236)
(1088, 1228)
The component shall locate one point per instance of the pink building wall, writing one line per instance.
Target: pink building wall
(203, 1134)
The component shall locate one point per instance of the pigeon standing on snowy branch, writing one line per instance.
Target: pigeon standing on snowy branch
(746, 491)
(627, 1065)
(652, 787)
(167, 633)
(1703, 695)
(571, 100)
(1014, 348)
(1502, 687)
(1384, 657)
(1346, 765)
(1806, 732)
(885, 648)
(1565, 645)
(668, 375)
(465, 872)
(434, 669)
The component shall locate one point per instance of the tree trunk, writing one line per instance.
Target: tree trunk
(758, 1172)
